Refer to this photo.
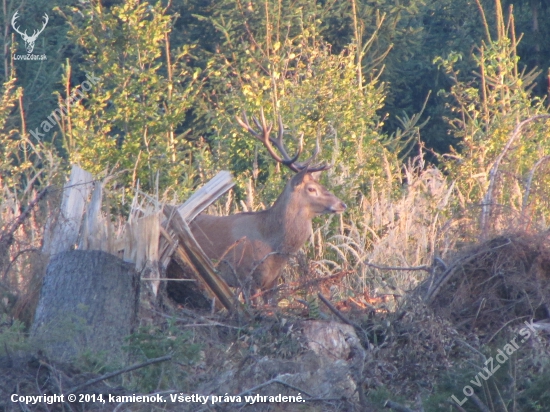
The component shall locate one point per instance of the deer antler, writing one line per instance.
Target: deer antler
(263, 135)
(46, 18)
(13, 19)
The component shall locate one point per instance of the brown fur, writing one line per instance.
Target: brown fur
(251, 248)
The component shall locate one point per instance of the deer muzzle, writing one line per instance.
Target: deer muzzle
(338, 207)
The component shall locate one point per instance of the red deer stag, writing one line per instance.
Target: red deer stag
(252, 247)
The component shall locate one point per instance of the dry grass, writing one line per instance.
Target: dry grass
(384, 230)
(502, 281)
(410, 347)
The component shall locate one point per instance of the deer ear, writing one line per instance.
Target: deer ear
(316, 175)
(300, 177)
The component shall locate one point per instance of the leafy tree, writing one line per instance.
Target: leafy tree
(38, 79)
(273, 56)
(501, 128)
(131, 118)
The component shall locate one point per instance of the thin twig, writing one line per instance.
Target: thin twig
(460, 408)
(334, 310)
(482, 407)
(488, 198)
(422, 267)
(396, 407)
(503, 326)
(21, 218)
(467, 345)
(210, 322)
(12, 261)
(170, 279)
(530, 181)
(275, 380)
(119, 372)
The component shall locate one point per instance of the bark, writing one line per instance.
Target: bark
(88, 303)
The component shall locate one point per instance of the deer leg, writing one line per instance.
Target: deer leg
(270, 294)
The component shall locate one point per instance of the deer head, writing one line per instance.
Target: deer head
(307, 193)
(29, 40)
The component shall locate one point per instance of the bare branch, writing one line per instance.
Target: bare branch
(488, 198)
(271, 381)
(396, 407)
(119, 372)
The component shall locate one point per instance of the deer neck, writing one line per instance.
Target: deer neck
(286, 223)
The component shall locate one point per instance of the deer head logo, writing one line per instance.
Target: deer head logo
(29, 40)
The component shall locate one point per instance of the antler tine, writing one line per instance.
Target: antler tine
(278, 143)
(263, 135)
(263, 126)
(315, 168)
(245, 124)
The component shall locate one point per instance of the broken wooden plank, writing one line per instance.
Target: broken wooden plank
(198, 201)
(206, 195)
(93, 236)
(64, 234)
(190, 251)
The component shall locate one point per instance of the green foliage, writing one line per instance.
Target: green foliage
(508, 383)
(148, 343)
(95, 362)
(38, 79)
(536, 396)
(487, 111)
(278, 60)
(133, 118)
(24, 164)
(12, 335)
(380, 395)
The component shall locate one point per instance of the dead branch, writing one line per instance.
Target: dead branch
(488, 198)
(12, 261)
(396, 407)
(8, 233)
(210, 322)
(481, 406)
(119, 372)
(448, 274)
(338, 314)
(458, 407)
(271, 381)
(190, 251)
(379, 267)
(362, 334)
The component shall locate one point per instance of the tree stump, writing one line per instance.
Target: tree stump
(88, 304)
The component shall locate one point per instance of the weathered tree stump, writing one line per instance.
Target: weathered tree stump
(88, 303)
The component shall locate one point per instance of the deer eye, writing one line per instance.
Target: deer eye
(311, 190)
